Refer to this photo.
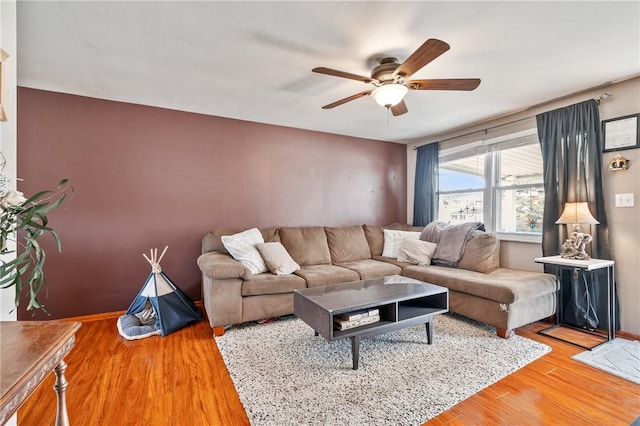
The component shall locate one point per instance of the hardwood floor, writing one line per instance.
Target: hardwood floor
(181, 380)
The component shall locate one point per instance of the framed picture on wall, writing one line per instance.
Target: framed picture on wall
(621, 133)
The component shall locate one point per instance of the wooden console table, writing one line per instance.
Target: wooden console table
(29, 350)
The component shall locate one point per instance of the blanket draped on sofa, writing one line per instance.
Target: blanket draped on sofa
(450, 240)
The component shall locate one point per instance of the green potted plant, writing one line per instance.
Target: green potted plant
(24, 221)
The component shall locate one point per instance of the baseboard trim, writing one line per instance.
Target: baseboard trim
(109, 315)
(96, 317)
(626, 335)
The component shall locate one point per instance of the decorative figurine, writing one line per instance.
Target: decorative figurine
(574, 246)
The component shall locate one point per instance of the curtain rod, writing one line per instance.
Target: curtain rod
(599, 99)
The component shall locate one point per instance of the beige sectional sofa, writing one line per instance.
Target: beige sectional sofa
(478, 287)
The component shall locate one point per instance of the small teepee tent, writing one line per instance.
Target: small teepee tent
(159, 308)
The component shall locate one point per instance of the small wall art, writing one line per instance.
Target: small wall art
(618, 163)
(621, 133)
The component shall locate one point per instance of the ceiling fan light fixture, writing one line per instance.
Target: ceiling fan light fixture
(392, 80)
(389, 95)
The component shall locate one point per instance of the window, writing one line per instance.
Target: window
(496, 182)
(461, 189)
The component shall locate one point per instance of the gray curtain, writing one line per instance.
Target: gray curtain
(571, 144)
(425, 200)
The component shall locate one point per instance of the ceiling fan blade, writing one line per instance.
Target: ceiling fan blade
(345, 100)
(336, 73)
(444, 84)
(399, 109)
(426, 53)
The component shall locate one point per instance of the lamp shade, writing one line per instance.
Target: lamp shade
(577, 213)
(389, 95)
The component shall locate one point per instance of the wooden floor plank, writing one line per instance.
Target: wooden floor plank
(181, 380)
(160, 406)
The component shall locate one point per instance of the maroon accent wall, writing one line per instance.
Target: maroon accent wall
(148, 177)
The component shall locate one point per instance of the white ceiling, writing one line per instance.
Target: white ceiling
(253, 60)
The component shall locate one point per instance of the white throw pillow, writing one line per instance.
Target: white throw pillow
(417, 252)
(242, 247)
(277, 258)
(393, 239)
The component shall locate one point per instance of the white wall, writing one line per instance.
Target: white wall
(8, 129)
(624, 223)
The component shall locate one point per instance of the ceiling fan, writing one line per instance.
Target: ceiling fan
(392, 78)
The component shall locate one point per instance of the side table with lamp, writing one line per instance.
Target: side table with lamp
(575, 258)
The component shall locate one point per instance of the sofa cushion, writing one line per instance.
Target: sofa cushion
(416, 252)
(375, 238)
(369, 268)
(320, 275)
(393, 239)
(270, 235)
(213, 242)
(502, 285)
(481, 253)
(347, 243)
(306, 245)
(242, 247)
(272, 284)
(375, 235)
(277, 259)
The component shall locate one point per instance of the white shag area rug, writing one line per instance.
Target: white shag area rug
(287, 376)
(620, 357)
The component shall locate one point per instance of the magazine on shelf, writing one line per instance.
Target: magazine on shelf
(355, 315)
(347, 325)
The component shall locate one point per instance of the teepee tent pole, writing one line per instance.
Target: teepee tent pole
(163, 252)
(153, 255)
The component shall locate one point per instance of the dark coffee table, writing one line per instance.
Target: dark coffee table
(401, 302)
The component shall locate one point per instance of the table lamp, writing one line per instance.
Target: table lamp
(576, 214)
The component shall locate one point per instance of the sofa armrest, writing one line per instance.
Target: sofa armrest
(220, 266)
